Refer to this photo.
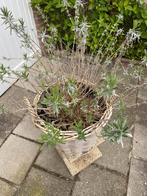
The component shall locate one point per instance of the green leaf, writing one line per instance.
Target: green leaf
(144, 14)
(144, 35)
(126, 2)
(52, 136)
(136, 23)
(53, 99)
(116, 130)
(78, 127)
(145, 22)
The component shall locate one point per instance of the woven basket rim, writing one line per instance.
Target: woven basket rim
(68, 135)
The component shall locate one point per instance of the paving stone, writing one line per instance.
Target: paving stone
(137, 185)
(99, 182)
(13, 100)
(32, 84)
(36, 74)
(27, 129)
(115, 157)
(7, 123)
(40, 183)
(140, 133)
(141, 114)
(16, 157)
(142, 94)
(140, 141)
(51, 161)
(130, 115)
(129, 99)
(6, 189)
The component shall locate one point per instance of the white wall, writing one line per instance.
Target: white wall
(9, 44)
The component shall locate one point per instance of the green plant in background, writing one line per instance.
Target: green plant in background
(101, 15)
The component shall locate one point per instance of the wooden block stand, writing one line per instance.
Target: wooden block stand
(83, 161)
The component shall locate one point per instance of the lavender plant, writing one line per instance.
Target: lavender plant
(76, 85)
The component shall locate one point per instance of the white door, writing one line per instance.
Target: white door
(9, 44)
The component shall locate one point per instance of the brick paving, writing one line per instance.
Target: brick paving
(31, 132)
(41, 183)
(16, 157)
(7, 123)
(50, 161)
(6, 189)
(100, 181)
(28, 168)
(138, 178)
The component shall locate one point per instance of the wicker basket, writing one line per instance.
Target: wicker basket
(73, 147)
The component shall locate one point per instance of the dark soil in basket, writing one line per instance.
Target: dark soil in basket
(65, 122)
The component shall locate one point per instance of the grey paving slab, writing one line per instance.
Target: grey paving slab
(140, 133)
(99, 182)
(141, 114)
(115, 157)
(50, 160)
(128, 98)
(16, 157)
(13, 100)
(143, 92)
(36, 75)
(7, 123)
(137, 185)
(140, 142)
(27, 129)
(40, 183)
(32, 85)
(130, 114)
(6, 189)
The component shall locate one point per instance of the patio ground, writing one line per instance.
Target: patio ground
(29, 169)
